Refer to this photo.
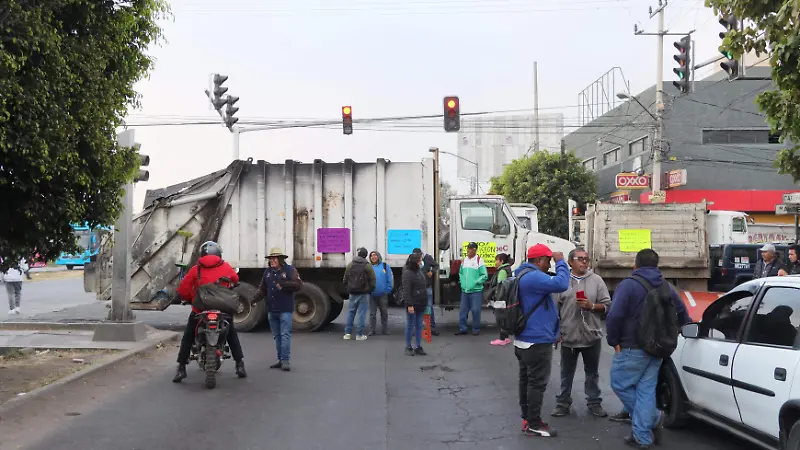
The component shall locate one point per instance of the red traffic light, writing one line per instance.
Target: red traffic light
(346, 111)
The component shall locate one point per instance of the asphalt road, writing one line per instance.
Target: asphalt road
(340, 395)
(47, 296)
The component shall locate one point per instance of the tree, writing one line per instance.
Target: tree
(547, 180)
(445, 192)
(771, 28)
(67, 72)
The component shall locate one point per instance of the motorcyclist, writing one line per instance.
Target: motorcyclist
(214, 268)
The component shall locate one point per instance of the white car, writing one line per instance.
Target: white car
(738, 368)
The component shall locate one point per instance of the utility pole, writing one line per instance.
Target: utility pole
(536, 106)
(436, 218)
(659, 140)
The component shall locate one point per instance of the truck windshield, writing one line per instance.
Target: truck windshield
(739, 225)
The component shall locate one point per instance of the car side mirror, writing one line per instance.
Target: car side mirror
(690, 331)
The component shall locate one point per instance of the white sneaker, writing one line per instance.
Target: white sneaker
(16, 310)
(346, 337)
(361, 337)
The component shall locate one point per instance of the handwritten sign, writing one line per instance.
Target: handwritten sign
(403, 242)
(631, 241)
(486, 250)
(333, 240)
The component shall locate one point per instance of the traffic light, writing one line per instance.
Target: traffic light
(219, 90)
(230, 110)
(452, 114)
(730, 65)
(684, 69)
(144, 161)
(347, 120)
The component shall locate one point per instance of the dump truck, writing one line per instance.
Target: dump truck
(678, 232)
(317, 213)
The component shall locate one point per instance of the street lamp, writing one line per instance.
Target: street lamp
(625, 96)
(473, 189)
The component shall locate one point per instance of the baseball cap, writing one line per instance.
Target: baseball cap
(767, 248)
(472, 245)
(539, 250)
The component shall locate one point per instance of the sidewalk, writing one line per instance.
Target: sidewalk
(50, 335)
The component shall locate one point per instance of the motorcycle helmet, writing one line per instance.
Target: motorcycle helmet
(210, 248)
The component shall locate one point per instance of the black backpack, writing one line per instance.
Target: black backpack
(658, 327)
(490, 288)
(357, 278)
(512, 318)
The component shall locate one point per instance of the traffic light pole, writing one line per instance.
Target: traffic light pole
(659, 135)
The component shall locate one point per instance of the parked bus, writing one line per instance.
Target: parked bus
(88, 242)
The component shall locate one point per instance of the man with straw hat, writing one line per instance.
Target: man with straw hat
(278, 287)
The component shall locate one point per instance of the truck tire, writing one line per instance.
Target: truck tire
(670, 397)
(249, 315)
(336, 309)
(311, 308)
(70, 267)
(793, 441)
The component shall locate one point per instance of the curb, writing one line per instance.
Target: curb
(17, 401)
(48, 326)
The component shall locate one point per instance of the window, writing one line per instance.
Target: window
(84, 239)
(611, 157)
(777, 318)
(715, 253)
(589, 163)
(724, 318)
(744, 255)
(480, 216)
(637, 146)
(739, 137)
(738, 225)
(636, 164)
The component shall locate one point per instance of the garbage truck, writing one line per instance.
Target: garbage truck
(317, 213)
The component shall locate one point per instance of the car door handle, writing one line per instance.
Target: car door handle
(780, 374)
(723, 360)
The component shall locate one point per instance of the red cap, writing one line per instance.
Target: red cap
(539, 250)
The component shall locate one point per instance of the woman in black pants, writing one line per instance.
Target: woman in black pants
(416, 300)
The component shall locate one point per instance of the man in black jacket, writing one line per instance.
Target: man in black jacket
(769, 265)
(429, 269)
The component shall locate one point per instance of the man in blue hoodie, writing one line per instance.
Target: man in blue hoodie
(534, 346)
(634, 373)
(384, 281)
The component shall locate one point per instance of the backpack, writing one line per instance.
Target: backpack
(658, 327)
(216, 296)
(490, 289)
(512, 318)
(357, 278)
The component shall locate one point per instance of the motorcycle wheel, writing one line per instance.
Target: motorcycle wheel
(211, 368)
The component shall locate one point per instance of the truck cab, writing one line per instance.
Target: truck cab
(489, 221)
(527, 214)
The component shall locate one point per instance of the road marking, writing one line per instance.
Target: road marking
(690, 298)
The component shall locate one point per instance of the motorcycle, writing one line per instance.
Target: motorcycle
(210, 343)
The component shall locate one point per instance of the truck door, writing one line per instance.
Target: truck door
(487, 222)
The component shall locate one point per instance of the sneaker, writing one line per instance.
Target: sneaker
(285, 366)
(524, 425)
(434, 333)
(361, 337)
(409, 351)
(16, 310)
(419, 351)
(347, 337)
(180, 375)
(500, 342)
(658, 430)
(277, 365)
(597, 411)
(621, 417)
(460, 333)
(372, 333)
(540, 429)
(476, 333)
(560, 411)
(386, 333)
(630, 441)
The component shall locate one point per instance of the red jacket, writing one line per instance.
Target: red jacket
(214, 268)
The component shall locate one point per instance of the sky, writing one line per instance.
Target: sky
(305, 59)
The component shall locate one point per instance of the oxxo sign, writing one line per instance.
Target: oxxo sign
(632, 181)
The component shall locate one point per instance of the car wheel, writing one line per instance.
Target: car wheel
(670, 398)
(793, 441)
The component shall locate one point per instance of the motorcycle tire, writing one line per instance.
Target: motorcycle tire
(211, 368)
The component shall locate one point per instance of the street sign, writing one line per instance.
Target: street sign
(676, 178)
(632, 181)
(783, 210)
(658, 197)
(620, 197)
(792, 199)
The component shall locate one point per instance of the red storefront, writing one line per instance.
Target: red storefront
(753, 202)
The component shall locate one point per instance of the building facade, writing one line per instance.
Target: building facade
(493, 142)
(717, 147)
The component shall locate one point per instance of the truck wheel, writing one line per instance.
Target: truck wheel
(669, 398)
(793, 441)
(311, 308)
(336, 309)
(249, 315)
(70, 267)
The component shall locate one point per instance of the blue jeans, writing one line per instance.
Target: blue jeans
(470, 302)
(414, 324)
(634, 376)
(281, 325)
(359, 303)
(430, 304)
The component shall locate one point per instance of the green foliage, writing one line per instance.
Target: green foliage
(772, 29)
(445, 192)
(547, 180)
(67, 75)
